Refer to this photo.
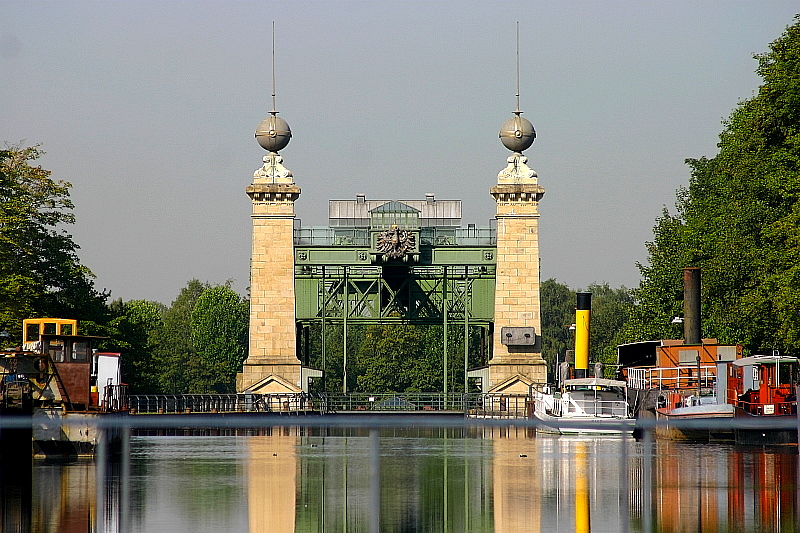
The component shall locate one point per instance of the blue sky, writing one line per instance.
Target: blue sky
(149, 109)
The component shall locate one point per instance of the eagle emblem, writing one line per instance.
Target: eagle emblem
(395, 243)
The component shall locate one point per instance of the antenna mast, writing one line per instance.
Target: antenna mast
(518, 111)
(274, 110)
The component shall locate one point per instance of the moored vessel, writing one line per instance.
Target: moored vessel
(762, 391)
(584, 406)
(60, 382)
(687, 417)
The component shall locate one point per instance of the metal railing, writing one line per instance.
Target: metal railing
(291, 403)
(618, 408)
(472, 405)
(324, 236)
(763, 409)
(405, 401)
(114, 398)
(336, 236)
(498, 406)
(469, 236)
(671, 377)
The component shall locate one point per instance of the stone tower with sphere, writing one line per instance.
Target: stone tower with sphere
(517, 347)
(272, 364)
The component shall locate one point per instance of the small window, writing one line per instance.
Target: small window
(32, 333)
(56, 351)
(80, 351)
(66, 329)
(688, 357)
(50, 328)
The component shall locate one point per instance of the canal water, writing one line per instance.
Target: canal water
(462, 479)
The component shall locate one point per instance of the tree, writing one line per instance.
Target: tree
(133, 331)
(611, 309)
(179, 370)
(558, 312)
(739, 221)
(219, 325)
(198, 344)
(383, 357)
(40, 274)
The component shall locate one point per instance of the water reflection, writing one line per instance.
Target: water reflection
(478, 479)
(728, 489)
(272, 469)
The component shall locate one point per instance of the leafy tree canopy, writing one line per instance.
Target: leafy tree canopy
(133, 331)
(739, 220)
(611, 310)
(196, 345)
(220, 326)
(40, 274)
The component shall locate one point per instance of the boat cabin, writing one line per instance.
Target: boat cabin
(591, 397)
(673, 364)
(762, 385)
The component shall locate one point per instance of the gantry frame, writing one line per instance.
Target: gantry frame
(395, 292)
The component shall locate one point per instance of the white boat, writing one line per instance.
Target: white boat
(584, 406)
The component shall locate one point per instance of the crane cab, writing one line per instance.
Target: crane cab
(86, 379)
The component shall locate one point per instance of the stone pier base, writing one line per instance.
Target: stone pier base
(266, 378)
(502, 372)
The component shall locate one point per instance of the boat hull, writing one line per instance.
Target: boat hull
(62, 434)
(583, 425)
(702, 423)
(779, 430)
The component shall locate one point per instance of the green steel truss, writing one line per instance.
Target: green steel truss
(395, 293)
(449, 282)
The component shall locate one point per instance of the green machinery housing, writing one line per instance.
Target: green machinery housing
(384, 262)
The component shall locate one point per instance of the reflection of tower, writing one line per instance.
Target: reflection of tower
(518, 347)
(272, 481)
(516, 481)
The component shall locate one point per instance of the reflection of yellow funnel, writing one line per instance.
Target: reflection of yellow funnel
(583, 313)
(582, 518)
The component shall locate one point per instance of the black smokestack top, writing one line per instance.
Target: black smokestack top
(584, 301)
(691, 306)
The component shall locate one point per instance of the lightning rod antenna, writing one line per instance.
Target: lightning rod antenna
(274, 110)
(518, 111)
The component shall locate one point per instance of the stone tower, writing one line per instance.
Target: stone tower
(517, 346)
(272, 364)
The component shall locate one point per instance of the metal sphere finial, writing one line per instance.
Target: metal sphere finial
(517, 133)
(273, 134)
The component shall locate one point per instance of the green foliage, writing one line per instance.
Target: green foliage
(132, 332)
(611, 310)
(197, 345)
(394, 357)
(739, 220)
(386, 355)
(40, 274)
(180, 370)
(219, 326)
(558, 312)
